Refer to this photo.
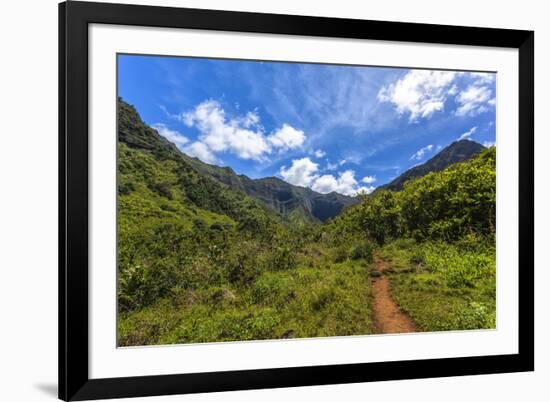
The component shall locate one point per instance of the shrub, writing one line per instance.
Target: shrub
(282, 258)
(340, 253)
(263, 325)
(126, 187)
(168, 207)
(404, 243)
(162, 189)
(362, 249)
(272, 288)
(458, 268)
(446, 229)
(380, 216)
(417, 259)
(474, 316)
(443, 205)
(350, 249)
(449, 204)
(243, 263)
(323, 299)
(134, 288)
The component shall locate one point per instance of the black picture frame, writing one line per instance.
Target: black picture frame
(74, 18)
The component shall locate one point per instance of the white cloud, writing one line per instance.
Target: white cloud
(188, 118)
(420, 93)
(342, 162)
(489, 144)
(251, 119)
(171, 135)
(418, 155)
(331, 166)
(242, 136)
(368, 179)
(325, 184)
(323, 99)
(220, 135)
(344, 184)
(483, 78)
(474, 100)
(468, 133)
(319, 153)
(304, 172)
(287, 137)
(201, 151)
(301, 173)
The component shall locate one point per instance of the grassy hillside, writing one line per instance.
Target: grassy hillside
(444, 286)
(167, 213)
(294, 203)
(437, 236)
(199, 261)
(202, 261)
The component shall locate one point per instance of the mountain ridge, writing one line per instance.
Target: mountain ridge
(293, 203)
(457, 151)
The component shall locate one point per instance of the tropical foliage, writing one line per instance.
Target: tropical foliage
(200, 260)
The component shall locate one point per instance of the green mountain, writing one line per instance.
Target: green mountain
(292, 202)
(458, 151)
(297, 204)
(155, 180)
(445, 205)
(200, 260)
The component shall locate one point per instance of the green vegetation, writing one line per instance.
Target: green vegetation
(438, 236)
(299, 205)
(203, 259)
(305, 302)
(458, 151)
(446, 205)
(444, 286)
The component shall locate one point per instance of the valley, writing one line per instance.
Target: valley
(208, 255)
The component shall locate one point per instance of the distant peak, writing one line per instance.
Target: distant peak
(457, 151)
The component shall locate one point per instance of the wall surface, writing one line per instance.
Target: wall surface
(28, 202)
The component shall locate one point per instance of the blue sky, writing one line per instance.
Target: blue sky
(327, 127)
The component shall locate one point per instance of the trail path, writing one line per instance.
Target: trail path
(388, 317)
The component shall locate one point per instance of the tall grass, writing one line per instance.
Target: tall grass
(445, 286)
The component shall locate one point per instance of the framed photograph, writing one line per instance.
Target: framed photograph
(257, 201)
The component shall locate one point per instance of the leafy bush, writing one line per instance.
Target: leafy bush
(362, 249)
(446, 205)
(354, 250)
(323, 299)
(271, 288)
(282, 258)
(134, 288)
(380, 216)
(474, 316)
(199, 261)
(126, 187)
(459, 268)
(162, 189)
(454, 202)
(243, 263)
(404, 243)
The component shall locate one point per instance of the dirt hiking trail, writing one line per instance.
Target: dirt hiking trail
(388, 317)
